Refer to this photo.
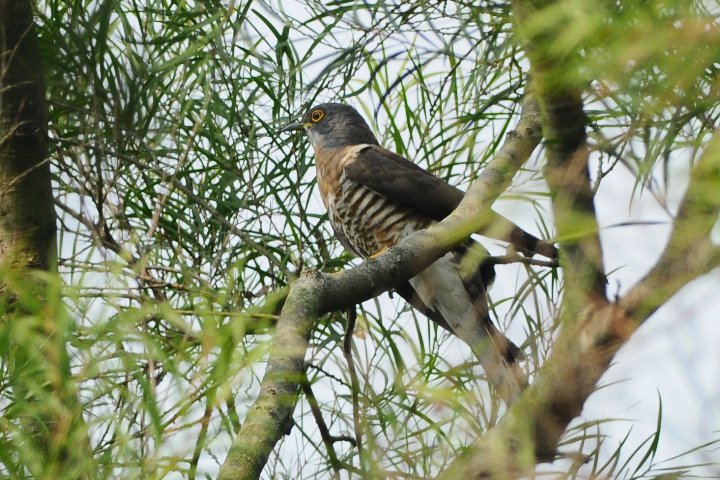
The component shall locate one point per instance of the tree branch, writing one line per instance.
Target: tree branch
(567, 174)
(270, 417)
(354, 384)
(328, 439)
(690, 251)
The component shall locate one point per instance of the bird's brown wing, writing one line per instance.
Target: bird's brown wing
(405, 183)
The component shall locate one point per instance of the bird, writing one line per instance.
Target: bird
(375, 197)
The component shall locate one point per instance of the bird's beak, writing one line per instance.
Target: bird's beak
(291, 127)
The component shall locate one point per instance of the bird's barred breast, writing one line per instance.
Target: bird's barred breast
(368, 220)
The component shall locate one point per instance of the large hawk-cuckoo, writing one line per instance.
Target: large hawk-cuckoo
(375, 197)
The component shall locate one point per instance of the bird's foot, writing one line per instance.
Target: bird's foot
(379, 252)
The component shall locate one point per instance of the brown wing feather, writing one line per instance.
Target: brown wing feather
(405, 183)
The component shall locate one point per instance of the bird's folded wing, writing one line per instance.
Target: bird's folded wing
(404, 182)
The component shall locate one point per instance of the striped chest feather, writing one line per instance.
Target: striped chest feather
(369, 221)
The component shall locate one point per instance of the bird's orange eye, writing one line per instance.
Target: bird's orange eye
(317, 115)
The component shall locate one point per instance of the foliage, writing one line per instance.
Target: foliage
(183, 213)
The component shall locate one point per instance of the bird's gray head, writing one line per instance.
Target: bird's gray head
(333, 125)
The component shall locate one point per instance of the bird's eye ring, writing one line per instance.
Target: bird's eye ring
(317, 115)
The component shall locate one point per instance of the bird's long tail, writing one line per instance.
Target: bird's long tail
(507, 350)
(442, 290)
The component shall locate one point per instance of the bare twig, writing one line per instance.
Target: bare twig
(354, 384)
(200, 442)
(175, 184)
(515, 258)
(328, 439)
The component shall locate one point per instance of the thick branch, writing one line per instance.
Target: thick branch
(689, 252)
(567, 174)
(593, 329)
(532, 427)
(270, 417)
(27, 217)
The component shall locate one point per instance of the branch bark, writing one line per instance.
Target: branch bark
(532, 428)
(690, 252)
(563, 122)
(270, 417)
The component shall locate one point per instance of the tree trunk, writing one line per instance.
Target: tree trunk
(41, 408)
